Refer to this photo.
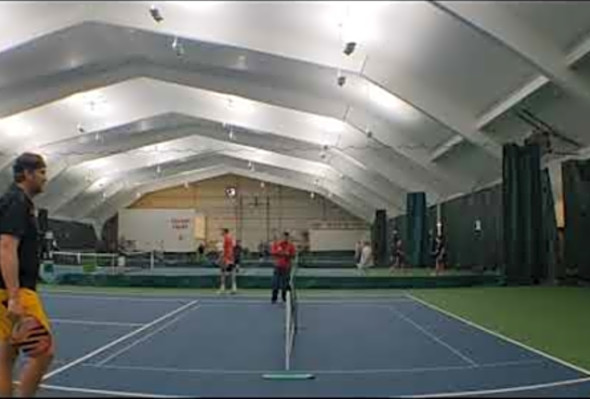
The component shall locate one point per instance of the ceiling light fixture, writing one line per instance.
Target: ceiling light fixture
(340, 79)
(178, 47)
(349, 48)
(155, 13)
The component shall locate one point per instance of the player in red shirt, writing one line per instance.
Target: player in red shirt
(283, 252)
(227, 264)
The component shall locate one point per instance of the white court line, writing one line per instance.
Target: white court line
(106, 392)
(239, 301)
(501, 336)
(434, 337)
(145, 338)
(502, 390)
(114, 298)
(94, 323)
(115, 342)
(343, 372)
(165, 297)
(355, 303)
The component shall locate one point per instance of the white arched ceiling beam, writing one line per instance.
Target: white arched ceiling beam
(84, 147)
(95, 193)
(578, 53)
(319, 88)
(386, 136)
(529, 44)
(436, 105)
(125, 196)
(290, 121)
(201, 104)
(150, 132)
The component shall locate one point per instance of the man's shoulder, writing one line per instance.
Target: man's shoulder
(13, 196)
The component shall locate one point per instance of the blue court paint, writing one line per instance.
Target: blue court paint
(352, 349)
(217, 336)
(108, 309)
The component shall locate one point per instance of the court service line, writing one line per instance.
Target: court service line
(107, 297)
(143, 339)
(319, 372)
(503, 390)
(434, 337)
(95, 322)
(347, 302)
(118, 340)
(498, 335)
(106, 392)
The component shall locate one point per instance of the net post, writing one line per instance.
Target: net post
(288, 332)
(152, 260)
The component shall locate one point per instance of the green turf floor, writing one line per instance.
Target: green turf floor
(555, 320)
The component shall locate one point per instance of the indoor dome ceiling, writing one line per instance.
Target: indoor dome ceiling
(122, 104)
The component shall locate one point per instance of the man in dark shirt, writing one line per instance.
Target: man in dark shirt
(19, 264)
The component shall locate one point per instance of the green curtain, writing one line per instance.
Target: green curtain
(379, 238)
(549, 223)
(417, 243)
(431, 234)
(576, 195)
(522, 214)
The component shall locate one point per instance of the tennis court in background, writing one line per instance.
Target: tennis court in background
(354, 345)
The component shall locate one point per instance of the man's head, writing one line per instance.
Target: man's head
(29, 172)
(286, 236)
(224, 231)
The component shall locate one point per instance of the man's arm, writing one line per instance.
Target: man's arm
(9, 266)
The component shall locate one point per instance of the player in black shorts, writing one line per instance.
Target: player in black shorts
(439, 254)
(398, 256)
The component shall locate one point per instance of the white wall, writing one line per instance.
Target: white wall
(248, 217)
(171, 230)
(336, 240)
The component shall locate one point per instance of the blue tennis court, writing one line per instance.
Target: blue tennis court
(354, 345)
